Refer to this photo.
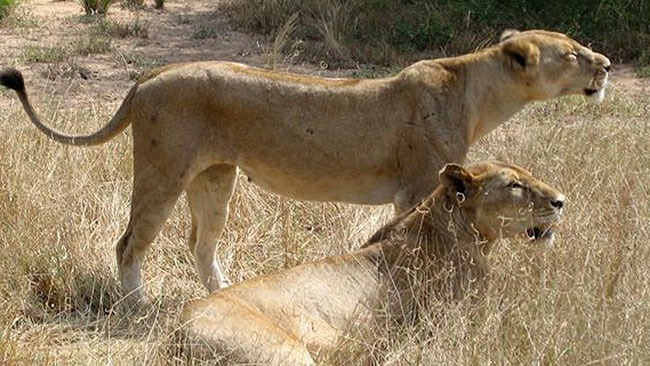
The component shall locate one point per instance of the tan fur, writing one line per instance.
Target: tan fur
(437, 250)
(371, 141)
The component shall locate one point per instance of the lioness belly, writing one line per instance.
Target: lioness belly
(371, 189)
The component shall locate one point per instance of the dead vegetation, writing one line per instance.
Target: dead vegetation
(62, 209)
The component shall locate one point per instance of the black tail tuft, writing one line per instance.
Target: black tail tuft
(12, 79)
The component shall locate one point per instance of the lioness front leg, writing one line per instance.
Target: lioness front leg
(420, 157)
(417, 183)
(406, 198)
(208, 196)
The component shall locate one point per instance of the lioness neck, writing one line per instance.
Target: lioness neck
(493, 94)
(436, 228)
(435, 245)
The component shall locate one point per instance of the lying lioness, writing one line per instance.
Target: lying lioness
(369, 141)
(438, 249)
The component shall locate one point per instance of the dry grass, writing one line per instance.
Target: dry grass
(584, 302)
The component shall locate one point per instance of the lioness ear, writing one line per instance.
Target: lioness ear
(456, 178)
(520, 53)
(507, 34)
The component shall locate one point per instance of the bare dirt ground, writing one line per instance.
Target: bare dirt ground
(625, 78)
(183, 31)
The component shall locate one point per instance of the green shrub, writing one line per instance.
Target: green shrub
(378, 30)
(643, 64)
(134, 4)
(135, 28)
(93, 7)
(5, 7)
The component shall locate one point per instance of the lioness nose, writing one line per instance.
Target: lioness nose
(558, 203)
(608, 68)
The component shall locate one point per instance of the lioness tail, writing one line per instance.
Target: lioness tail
(13, 79)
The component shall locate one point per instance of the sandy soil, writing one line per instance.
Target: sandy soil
(172, 35)
(184, 31)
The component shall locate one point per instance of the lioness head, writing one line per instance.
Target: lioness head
(553, 64)
(502, 200)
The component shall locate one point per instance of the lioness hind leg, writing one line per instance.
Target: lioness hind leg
(225, 330)
(150, 207)
(209, 195)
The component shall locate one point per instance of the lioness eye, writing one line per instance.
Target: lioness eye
(573, 56)
(515, 185)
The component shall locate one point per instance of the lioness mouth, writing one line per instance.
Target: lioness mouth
(536, 233)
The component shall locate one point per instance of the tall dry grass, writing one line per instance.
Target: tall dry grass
(583, 302)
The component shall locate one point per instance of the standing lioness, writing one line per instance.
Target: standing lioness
(363, 141)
